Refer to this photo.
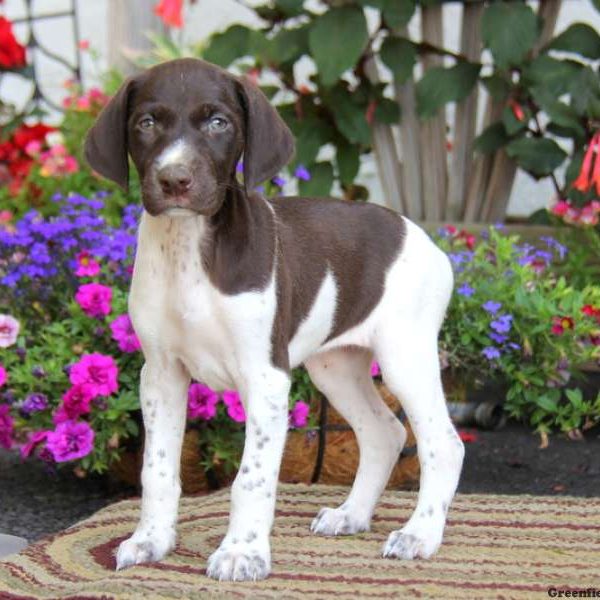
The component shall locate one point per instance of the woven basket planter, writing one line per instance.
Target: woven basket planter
(329, 455)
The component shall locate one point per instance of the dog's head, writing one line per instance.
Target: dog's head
(186, 123)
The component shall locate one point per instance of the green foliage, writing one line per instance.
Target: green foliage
(538, 336)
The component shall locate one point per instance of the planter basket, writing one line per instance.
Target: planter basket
(329, 455)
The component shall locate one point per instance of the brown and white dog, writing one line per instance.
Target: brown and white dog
(235, 290)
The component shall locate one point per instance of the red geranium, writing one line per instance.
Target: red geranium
(170, 12)
(12, 54)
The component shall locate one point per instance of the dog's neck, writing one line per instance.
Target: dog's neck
(235, 248)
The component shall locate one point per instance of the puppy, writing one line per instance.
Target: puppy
(235, 290)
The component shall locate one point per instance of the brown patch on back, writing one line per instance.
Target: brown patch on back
(358, 242)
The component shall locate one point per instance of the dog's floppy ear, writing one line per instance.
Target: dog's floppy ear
(106, 142)
(269, 144)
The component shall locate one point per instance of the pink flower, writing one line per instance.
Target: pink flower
(56, 162)
(561, 208)
(98, 371)
(70, 441)
(94, 299)
(124, 335)
(33, 439)
(3, 375)
(235, 408)
(86, 265)
(202, 402)
(7, 425)
(375, 370)
(299, 414)
(9, 330)
(76, 401)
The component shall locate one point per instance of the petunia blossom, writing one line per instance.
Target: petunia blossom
(94, 299)
(235, 408)
(70, 441)
(375, 370)
(7, 426)
(9, 330)
(202, 402)
(35, 402)
(77, 400)
(3, 375)
(98, 371)
(33, 440)
(124, 335)
(299, 414)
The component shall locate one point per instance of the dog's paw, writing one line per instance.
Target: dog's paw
(337, 521)
(405, 545)
(245, 563)
(142, 548)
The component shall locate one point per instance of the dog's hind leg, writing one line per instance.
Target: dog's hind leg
(412, 374)
(343, 375)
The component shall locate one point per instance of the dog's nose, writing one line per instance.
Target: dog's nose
(174, 179)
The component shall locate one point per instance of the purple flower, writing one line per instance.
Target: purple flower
(498, 338)
(235, 408)
(465, 290)
(299, 414)
(7, 426)
(555, 245)
(302, 173)
(239, 168)
(491, 306)
(70, 440)
(34, 403)
(38, 371)
(278, 181)
(491, 353)
(502, 324)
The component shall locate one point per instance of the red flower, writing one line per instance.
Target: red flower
(12, 54)
(591, 311)
(517, 110)
(30, 133)
(170, 12)
(84, 44)
(467, 436)
(468, 238)
(596, 172)
(585, 179)
(560, 324)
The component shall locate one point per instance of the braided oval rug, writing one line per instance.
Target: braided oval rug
(494, 547)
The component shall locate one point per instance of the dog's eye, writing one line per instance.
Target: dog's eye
(218, 123)
(146, 123)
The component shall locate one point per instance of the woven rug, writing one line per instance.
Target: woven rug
(494, 547)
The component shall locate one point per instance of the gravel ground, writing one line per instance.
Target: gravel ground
(34, 504)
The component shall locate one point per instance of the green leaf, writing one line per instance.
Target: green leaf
(397, 13)
(538, 156)
(225, 47)
(497, 86)
(579, 38)
(441, 85)
(320, 182)
(491, 139)
(290, 8)
(547, 403)
(553, 76)
(308, 140)
(348, 162)
(509, 30)
(584, 88)
(349, 117)
(336, 41)
(564, 116)
(288, 45)
(387, 111)
(399, 55)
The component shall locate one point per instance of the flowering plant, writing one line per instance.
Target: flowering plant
(516, 320)
(70, 358)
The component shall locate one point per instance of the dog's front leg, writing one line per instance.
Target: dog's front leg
(163, 394)
(245, 553)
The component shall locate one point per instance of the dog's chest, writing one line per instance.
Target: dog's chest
(178, 313)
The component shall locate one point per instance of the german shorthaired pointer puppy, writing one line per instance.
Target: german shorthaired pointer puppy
(235, 290)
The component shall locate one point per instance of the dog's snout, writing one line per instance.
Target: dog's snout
(175, 179)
